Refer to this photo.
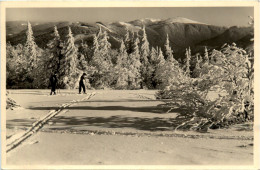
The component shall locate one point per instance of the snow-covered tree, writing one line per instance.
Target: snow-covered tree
(104, 45)
(159, 63)
(145, 50)
(134, 66)
(197, 70)
(95, 44)
(233, 74)
(18, 70)
(132, 40)
(55, 47)
(100, 33)
(145, 67)
(102, 60)
(11, 66)
(105, 48)
(82, 55)
(206, 55)
(127, 36)
(153, 55)
(152, 67)
(136, 48)
(187, 63)
(128, 42)
(121, 68)
(251, 24)
(160, 58)
(32, 54)
(168, 50)
(30, 48)
(69, 72)
(86, 51)
(170, 72)
(122, 59)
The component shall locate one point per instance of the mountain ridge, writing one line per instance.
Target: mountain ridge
(182, 32)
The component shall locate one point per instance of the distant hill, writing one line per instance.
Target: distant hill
(182, 33)
(240, 35)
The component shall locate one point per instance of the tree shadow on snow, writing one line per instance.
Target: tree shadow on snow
(161, 108)
(19, 123)
(120, 101)
(139, 123)
(148, 109)
(151, 123)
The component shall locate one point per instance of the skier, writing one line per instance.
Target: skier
(81, 83)
(53, 82)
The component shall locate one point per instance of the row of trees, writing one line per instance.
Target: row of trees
(134, 65)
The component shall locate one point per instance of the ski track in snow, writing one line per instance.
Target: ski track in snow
(17, 139)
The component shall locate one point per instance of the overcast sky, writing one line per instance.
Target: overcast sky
(222, 16)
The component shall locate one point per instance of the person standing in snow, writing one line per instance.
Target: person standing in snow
(81, 83)
(53, 82)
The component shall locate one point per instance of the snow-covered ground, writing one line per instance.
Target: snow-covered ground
(116, 127)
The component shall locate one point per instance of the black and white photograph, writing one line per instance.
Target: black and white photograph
(131, 85)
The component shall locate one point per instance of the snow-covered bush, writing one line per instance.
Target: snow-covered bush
(230, 72)
(10, 103)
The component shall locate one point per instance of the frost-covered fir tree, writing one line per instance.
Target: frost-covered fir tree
(30, 48)
(160, 58)
(95, 44)
(144, 58)
(69, 72)
(170, 73)
(189, 52)
(55, 47)
(153, 55)
(197, 70)
(32, 54)
(251, 24)
(152, 66)
(159, 62)
(132, 41)
(187, 63)
(82, 57)
(17, 71)
(96, 62)
(105, 46)
(100, 33)
(127, 36)
(168, 51)
(12, 63)
(102, 60)
(134, 66)
(128, 42)
(121, 68)
(105, 49)
(122, 59)
(50, 60)
(145, 50)
(206, 55)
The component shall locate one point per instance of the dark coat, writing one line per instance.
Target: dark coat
(82, 78)
(53, 80)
